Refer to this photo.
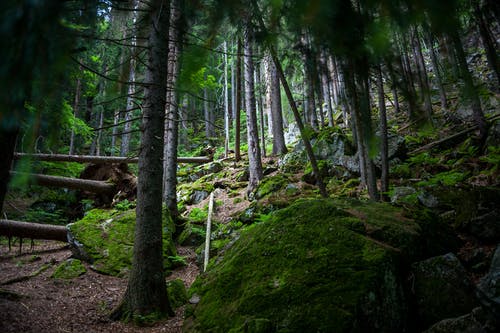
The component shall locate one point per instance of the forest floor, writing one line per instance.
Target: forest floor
(39, 303)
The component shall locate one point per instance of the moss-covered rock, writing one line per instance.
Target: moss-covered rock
(177, 294)
(105, 238)
(271, 184)
(191, 235)
(69, 269)
(308, 268)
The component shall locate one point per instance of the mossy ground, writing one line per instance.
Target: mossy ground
(69, 269)
(309, 268)
(107, 240)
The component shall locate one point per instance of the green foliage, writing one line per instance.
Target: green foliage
(124, 205)
(177, 294)
(448, 178)
(492, 157)
(198, 215)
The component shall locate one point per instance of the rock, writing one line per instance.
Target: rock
(198, 196)
(466, 323)
(442, 289)
(69, 269)
(402, 192)
(307, 268)
(105, 238)
(488, 289)
(270, 184)
(428, 200)
(292, 134)
(192, 235)
(486, 226)
(177, 294)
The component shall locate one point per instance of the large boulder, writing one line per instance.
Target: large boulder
(442, 289)
(488, 289)
(317, 266)
(105, 239)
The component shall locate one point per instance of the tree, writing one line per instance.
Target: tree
(254, 157)
(171, 135)
(146, 293)
(279, 146)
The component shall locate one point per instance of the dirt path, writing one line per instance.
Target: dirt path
(45, 304)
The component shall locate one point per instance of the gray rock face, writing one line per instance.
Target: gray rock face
(471, 322)
(486, 226)
(442, 289)
(402, 192)
(488, 289)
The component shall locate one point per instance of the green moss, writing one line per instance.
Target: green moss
(177, 294)
(192, 235)
(307, 268)
(198, 215)
(271, 184)
(105, 238)
(69, 269)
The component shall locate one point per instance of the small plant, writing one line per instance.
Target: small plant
(124, 205)
(448, 178)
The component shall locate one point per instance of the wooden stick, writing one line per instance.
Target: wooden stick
(209, 226)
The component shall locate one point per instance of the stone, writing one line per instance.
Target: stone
(402, 192)
(309, 267)
(442, 289)
(428, 200)
(198, 196)
(466, 323)
(488, 289)
(486, 226)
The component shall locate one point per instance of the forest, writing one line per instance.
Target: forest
(250, 166)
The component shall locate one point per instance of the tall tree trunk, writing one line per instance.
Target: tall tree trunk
(254, 158)
(470, 90)
(237, 127)
(76, 105)
(226, 104)
(99, 132)
(146, 292)
(384, 148)
(171, 135)
(8, 138)
(279, 146)
(126, 135)
(489, 43)
(260, 109)
(429, 37)
(425, 90)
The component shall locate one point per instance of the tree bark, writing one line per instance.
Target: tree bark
(170, 159)
(102, 159)
(10, 228)
(8, 137)
(237, 127)
(422, 76)
(76, 105)
(470, 90)
(260, 110)
(226, 103)
(384, 148)
(94, 186)
(279, 146)
(254, 157)
(146, 293)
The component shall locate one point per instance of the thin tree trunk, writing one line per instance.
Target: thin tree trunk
(279, 146)
(435, 67)
(171, 136)
(489, 43)
(384, 178)
(260, 110)
(99, 133)
(146, 293)
(254, 157)
(226, 104)
(237, 127)
(76, 105)
(470, 90)
(422, 75)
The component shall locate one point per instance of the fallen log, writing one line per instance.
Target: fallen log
(101, 159)
(94, 186)
(10, 228)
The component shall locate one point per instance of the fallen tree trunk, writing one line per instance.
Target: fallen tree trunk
(94, 186)
(12, 228)
(102, 159)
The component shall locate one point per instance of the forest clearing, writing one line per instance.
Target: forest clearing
(250, 166)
